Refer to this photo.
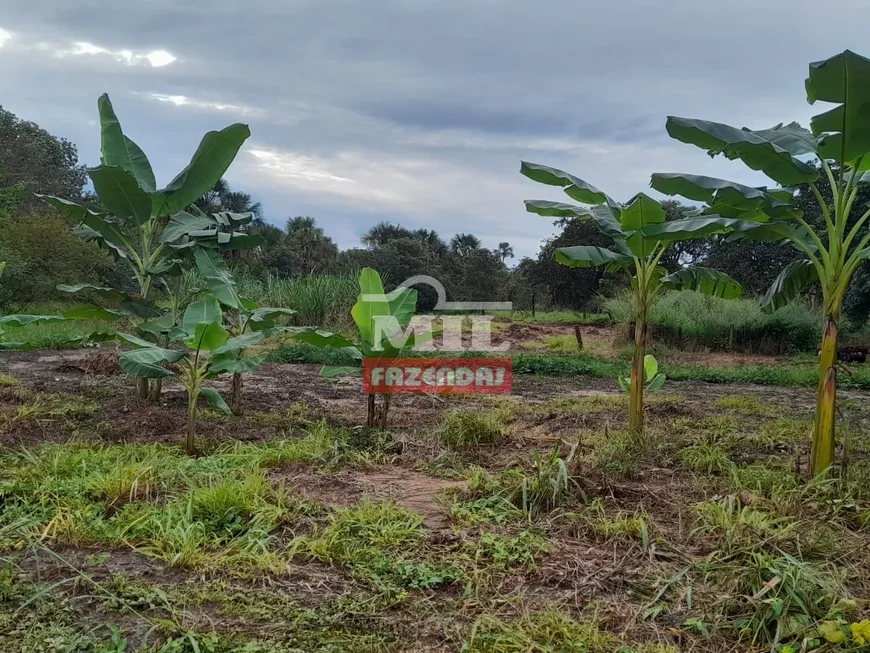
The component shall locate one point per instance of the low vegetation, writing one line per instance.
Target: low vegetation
(694, 321)
(324, 536)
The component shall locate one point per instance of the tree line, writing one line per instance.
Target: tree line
(41, 251)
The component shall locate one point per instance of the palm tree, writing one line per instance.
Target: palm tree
(222, 198)
(382, 233)
(464, 244)
(504, 251)
(431, 240)
(270, 234)
(303, 229)
(314, 250)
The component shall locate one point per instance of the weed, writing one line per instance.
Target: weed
(707, 458)
(503, 551)
(352, 531)
(764, 479)
(549, 630)
(493, 509)
(228, 507)
(754, 528)
(462, 428)
(563, 344)
(772, 598)
(125, 484)
(748, 405)
(621, 525)
(619, 452)
(548, 487)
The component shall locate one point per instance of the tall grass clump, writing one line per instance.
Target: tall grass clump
(320, 300)
(687, 319)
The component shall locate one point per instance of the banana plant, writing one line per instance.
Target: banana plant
(652, 378)
(241, 315)
(152, 230)
(641, 235)
(206, 351)
(839, 138)
(377, 317)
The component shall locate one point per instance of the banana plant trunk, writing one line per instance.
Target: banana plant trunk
(635, 391)
(143, 387)
(826, 406)
(376, 415)
(190, 440)
(149, 389)
(154, 391)
(236, 394)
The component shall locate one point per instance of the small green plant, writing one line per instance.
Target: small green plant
(548, 630)
(242, 316)
(622, 525)
(549, 486)
(209, 351)
(519, 550)
(652, 378)
(707, 458)
(462, 428)
(378, 318)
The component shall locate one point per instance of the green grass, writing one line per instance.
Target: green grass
(209, 511)
(462, 428)
(689, 318)
(56, 335)
(548, 630)
(323, 301)
(555, 317)
(802, 373)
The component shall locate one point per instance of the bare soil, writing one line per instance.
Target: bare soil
(96, 403)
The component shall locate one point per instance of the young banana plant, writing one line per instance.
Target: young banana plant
(206, 351)
(652, 378)
(378, 317)
(241, 315)
(151, 230)
(839, 139)
(641, 235)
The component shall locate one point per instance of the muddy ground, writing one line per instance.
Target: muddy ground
(277, 387)
(81, 396)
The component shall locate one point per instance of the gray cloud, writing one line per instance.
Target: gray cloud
(419, 111)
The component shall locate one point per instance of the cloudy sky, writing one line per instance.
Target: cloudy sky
(419, 111)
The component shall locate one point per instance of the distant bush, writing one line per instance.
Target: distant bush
(688, 319)
(41, 252)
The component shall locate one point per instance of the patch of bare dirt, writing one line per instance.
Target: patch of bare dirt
(97, 362)
(411, 490)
